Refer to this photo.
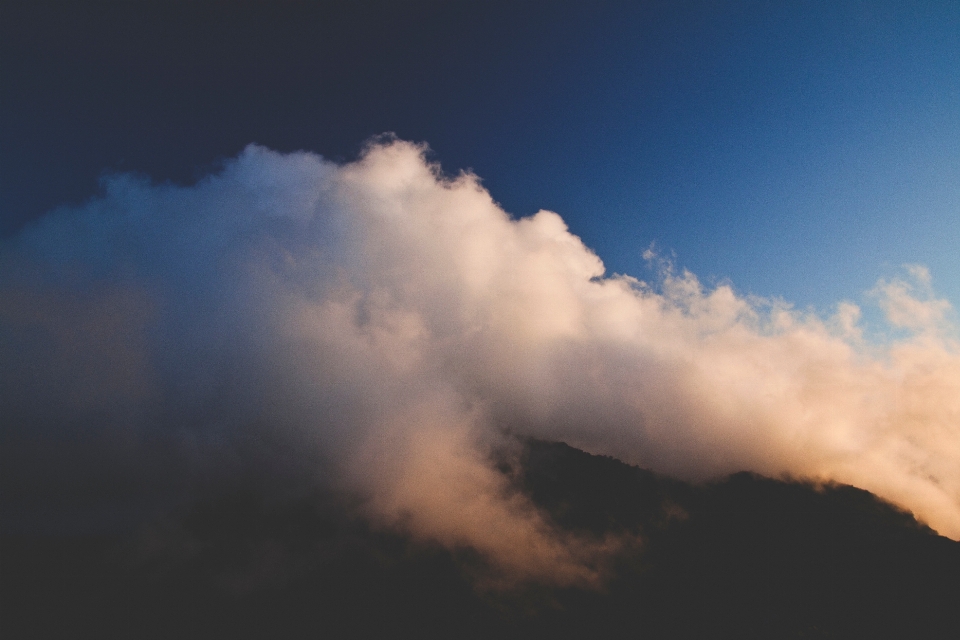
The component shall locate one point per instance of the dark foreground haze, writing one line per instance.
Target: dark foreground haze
(745, 557)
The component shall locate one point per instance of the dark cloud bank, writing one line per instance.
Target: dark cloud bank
(298, 398)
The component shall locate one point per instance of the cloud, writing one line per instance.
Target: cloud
(382, 329)
(911, 304)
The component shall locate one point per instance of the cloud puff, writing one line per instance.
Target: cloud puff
(380, 327)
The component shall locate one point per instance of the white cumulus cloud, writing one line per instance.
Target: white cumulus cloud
(380, 327)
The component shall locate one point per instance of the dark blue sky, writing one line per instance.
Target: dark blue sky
(800, 149)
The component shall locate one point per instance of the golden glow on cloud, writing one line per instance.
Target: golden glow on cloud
(396, 324)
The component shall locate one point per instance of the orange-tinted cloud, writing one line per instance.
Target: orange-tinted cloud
(384, 327)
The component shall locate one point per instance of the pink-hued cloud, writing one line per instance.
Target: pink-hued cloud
(381, 328)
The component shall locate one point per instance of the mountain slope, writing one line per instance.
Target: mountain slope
(744, 557)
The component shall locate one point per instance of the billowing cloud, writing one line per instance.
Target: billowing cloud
(382, 329)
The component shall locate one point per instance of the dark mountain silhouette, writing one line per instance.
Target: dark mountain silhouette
(744, 557)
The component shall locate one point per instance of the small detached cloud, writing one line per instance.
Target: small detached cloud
(910, 303)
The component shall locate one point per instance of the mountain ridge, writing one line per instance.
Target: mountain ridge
(741, 557)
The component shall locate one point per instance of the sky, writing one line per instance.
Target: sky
(367, 247)
(801, 150)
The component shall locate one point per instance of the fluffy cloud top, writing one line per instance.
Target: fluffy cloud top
(382, 329)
